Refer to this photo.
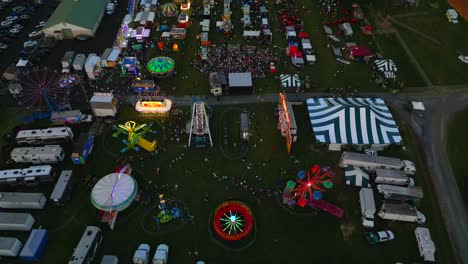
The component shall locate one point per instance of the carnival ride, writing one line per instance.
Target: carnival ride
(308, 190)
(151, 101)
(199, 131)
(168, 212)
(135, 135)
(44, 91)
(114, 193)
(233, 221)
(161, 67)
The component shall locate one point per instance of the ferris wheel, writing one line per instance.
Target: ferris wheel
(41, 89)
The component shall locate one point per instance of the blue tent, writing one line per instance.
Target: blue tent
(35, 246)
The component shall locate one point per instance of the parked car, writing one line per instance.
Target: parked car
(25, 17)
(15, 31)
(161, 255)
(41, 24)
(30, 44)
(11, 18)
(7, 1)
(35, 34)
(3, 46)
(18, 26)
(379, 237)
(6, 23)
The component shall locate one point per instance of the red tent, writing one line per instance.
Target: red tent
(361, 51)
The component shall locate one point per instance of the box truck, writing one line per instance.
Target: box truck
(399, 193)
(19, 200)
(371, 163)
(16, 221)
(104, 105)
(366, 200)
(401, 212)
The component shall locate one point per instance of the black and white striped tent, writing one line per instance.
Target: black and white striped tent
(387, 67)
(290, 81)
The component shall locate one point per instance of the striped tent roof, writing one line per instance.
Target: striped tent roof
(352, 121)
(354, 176)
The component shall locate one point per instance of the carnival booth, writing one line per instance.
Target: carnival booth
(130, 65)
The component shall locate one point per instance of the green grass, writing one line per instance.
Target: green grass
(457, 152)
(439, 62)
(281, 236)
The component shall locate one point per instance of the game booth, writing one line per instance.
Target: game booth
(129, 66)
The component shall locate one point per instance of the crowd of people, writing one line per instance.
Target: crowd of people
(236, 59)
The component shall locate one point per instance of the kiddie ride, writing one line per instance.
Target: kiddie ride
(165, 214)
(135, 135)
(308, 190)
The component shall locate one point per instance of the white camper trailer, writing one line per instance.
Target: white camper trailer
(392, 177)
(371, 163)
(28, 176)
(87, 247)
(44, 136)
(10, 246)
(399, 193)
(62, 188)
(425, 244)
(38, 155)
(401, 212)
(17, 200)
(366, 200)
(16, 221)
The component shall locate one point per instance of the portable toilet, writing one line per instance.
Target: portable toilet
(204, 39)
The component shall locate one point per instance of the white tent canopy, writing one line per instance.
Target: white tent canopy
(387, 67)
(290, 81)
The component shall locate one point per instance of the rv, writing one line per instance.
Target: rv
(366, 199)
(67, 61)
(392, 177)
(16, 221)
(371, 163)
(425, 244)
(10, 246)
(28, 176)
(17, 200)
(44, 136)
(62, 188)
(401, 212)
(38, 155)
(400, 193)
(87, 247)
(141, 255)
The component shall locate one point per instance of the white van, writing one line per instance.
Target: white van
(110, 8)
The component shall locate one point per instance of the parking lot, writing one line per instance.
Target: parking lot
(18, 20)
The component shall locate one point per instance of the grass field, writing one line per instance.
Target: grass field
(437, 59)
(456, 149)
(282, 235)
